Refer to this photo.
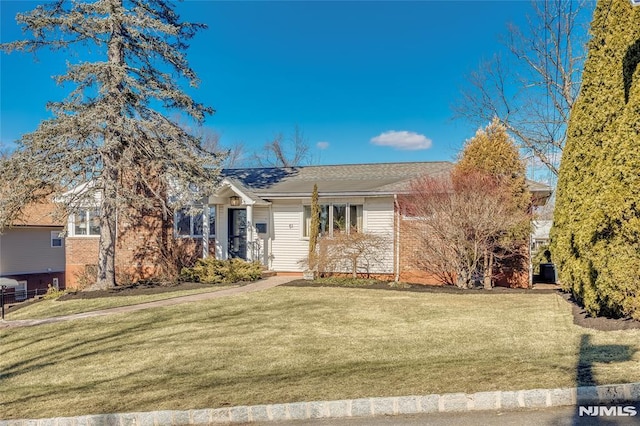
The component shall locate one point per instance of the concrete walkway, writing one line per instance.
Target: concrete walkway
(260, 285)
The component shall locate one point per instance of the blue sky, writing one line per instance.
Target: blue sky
(366, 81)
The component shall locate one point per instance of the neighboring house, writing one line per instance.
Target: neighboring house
(263, 214)
(32, 252)
(540, 235)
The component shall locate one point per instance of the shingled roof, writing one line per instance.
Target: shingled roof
(383, 178)
(38, 214)
(345, 179)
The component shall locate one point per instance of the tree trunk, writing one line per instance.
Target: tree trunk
(488, 271)
(108, 224)
(463, 279)
(112, 153)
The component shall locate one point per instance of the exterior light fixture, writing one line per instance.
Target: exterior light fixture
(234, 200)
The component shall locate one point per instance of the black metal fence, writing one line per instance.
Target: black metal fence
(11, 296)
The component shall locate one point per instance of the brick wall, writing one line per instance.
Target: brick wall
(145, 247)
(515, 276)
(40, 282)
(409, 234)
(79, 252)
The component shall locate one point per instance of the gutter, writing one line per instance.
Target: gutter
(287, 195)
(397, 220)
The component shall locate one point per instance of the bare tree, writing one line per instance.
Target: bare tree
(107, 136)
(532, 87)
(284, 152)
(456, 223)
(353, 252)
(233, 156)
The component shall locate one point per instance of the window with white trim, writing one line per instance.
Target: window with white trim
(56, 239)
(191, 225)
(86, 222)
(335, 218)
(21, 291)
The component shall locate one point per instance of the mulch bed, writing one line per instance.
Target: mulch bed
(134, 290)
(580, 316)
(583, 319)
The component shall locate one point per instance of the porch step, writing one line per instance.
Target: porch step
(267, 274)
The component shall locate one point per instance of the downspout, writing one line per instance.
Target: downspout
(397, 214)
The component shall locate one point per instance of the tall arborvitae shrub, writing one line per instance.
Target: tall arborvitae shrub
(596, 232)
(314, 230)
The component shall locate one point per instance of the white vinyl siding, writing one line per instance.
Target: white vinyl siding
(288, 246)
(28, 250)
(260, 244)
(379, 219)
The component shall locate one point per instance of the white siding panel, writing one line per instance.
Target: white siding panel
(289, 248)
(28, 250)
(378, 219)
(260, 241)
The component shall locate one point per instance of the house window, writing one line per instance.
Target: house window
(191, 225)
(21, 291)
(87, 222)
(356, 217)
(56, 239)
(334, 219)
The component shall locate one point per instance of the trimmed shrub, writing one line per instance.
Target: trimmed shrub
(214, 271)
(53, 293)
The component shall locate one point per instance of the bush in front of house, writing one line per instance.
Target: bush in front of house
(215, 271)
(53, 293)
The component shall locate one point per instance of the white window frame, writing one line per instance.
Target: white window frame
(212, 218)
(57, 236)
(20, 291)
(88, 213)
(307, 207)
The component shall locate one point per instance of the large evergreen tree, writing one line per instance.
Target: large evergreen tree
(111, 134)
(492, 152)
(596, 233)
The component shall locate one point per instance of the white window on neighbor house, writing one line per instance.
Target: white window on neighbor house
(21, 291)
(191, 225)
(86, 222)
(56, 239)
(335, 219)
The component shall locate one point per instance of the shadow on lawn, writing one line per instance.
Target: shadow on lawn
(589, 355)
(56, 351)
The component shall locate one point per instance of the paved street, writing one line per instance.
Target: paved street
(556, 416)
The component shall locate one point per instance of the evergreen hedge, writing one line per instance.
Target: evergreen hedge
(596, 232)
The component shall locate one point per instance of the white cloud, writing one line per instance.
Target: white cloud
(403, 140)
(323, 145)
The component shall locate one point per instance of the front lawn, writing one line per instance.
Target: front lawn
(299, 344)
(67, 305)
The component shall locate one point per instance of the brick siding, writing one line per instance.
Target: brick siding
(145, 247)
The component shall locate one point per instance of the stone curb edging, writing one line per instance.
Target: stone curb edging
(363, 407)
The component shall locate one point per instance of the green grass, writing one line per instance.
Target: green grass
(299, 344)
(55, 308)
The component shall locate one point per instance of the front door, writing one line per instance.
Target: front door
(238, 233)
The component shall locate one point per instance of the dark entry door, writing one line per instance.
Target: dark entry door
(238, 233)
